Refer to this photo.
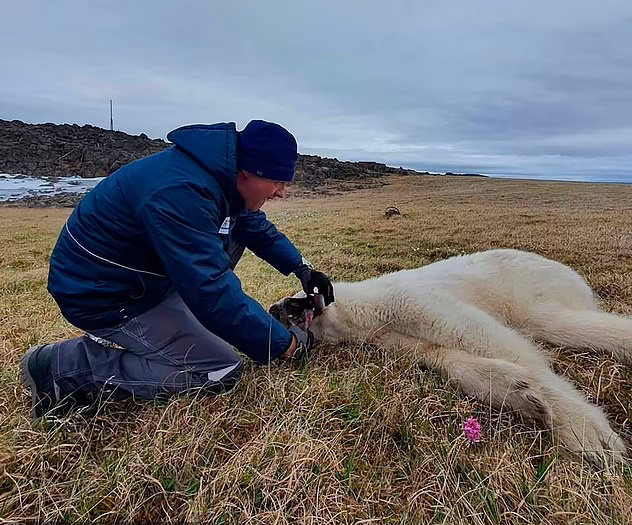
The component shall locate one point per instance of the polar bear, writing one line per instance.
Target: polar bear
(476, 319)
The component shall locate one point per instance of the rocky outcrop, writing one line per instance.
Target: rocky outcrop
(52, 150)
(59, 150)
(313, 171)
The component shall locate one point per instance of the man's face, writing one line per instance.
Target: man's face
(257, 190)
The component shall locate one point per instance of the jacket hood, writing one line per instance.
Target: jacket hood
(214, 147)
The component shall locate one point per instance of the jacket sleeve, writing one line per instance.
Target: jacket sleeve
(182, 224)
(261, 237)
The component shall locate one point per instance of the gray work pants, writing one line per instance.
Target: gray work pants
(165, 351)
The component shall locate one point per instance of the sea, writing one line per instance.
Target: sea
(606, 179)
(14, 187)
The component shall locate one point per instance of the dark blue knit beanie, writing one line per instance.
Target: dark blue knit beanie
(267, 149)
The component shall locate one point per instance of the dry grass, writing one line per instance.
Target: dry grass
(355, 435)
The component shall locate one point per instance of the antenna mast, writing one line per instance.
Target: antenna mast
(111, 118)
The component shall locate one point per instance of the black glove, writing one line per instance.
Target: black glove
(311, 279)
(304, 342)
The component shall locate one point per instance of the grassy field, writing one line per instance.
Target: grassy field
(356, 435)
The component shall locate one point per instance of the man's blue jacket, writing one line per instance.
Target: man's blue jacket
(164, 222)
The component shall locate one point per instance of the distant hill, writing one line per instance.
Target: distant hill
(57, 150)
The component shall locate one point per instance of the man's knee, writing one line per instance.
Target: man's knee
(224, 379)
(165, 382)
(191, 383)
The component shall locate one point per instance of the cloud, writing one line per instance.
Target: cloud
(506, 87)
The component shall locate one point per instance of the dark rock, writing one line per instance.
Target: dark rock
(59, 150)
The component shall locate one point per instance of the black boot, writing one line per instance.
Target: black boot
(36, 374)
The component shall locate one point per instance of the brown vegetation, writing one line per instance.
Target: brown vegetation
(355, 435)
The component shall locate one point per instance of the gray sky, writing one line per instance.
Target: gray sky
(500, 86)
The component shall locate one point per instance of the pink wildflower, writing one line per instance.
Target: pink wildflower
(472, 430)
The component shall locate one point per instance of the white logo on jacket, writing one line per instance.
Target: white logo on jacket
(224, 229)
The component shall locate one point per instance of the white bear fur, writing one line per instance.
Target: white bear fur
(475, 318)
